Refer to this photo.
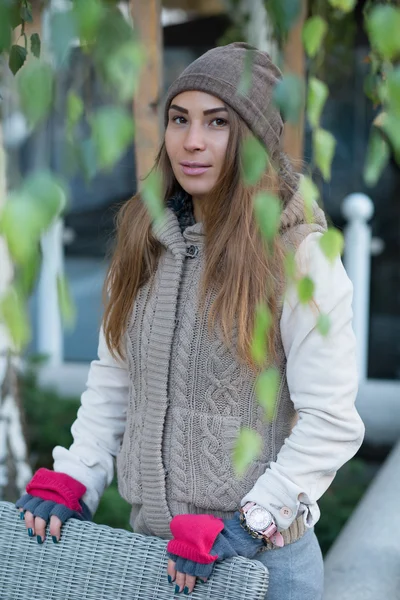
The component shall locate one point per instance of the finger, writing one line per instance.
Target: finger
(203, 579)
(21, 513)
(171, 571)
(55, 528)
(189, 584)
(180, 582)
(40, 529)
(30, 523)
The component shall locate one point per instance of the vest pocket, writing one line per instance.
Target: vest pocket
(201, 470)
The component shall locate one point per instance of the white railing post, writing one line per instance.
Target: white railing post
(50, 333)
(358, 210)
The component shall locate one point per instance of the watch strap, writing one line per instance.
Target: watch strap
(271, 533)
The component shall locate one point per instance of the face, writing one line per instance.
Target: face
(196, 140)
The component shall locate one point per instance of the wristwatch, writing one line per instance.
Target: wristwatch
(260, 524)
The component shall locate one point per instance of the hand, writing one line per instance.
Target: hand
(194, 534)
(182, 581)
(54, 497)
(38, 513)
(37, 526)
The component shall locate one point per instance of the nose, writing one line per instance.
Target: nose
(194, 139)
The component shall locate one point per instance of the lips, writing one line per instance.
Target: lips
(194, 168)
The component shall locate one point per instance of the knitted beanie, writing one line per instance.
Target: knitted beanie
(219, 72)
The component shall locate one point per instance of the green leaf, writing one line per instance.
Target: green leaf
(88, 15)
(378, 155)
(75, 110)
(66, 304)
(112, 129)
(247, 449)
(5, 27)
(28, 212)
(393, 91)
(87, 154)
(254, 159)
(314, 31)
(35, 86)
(288, 96)
(323, 324)
(305, 289)
(14, 315)
(324, 149)
(35, 45)
(64, 31)
(310, 194)
(17, 58)
(49, 195)
(267, 385)
(267, 209)
(21, 225)
(26, 12)
(123, 68)
(383, 25)
(391, 127)
(345, 6)
(153, 197)
(28, 272)
(14, 13)
(262, 324)
(283, 14)
(317, 95)
(332, 243)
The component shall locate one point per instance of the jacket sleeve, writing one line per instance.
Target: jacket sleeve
(99, 427)
(323, 382)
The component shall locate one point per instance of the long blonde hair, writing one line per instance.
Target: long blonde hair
(238, 263)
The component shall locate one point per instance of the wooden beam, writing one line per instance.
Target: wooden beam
(146, 16)
(294, 62)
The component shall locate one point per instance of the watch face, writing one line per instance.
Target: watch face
(258, 518)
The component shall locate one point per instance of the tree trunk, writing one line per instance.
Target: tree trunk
(15, 471)
(146, 18)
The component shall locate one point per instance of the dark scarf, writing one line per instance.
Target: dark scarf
(182, 205)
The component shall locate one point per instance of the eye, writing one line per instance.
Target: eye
(178, 120)
(218, 122)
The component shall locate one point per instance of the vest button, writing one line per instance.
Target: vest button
(192, 251)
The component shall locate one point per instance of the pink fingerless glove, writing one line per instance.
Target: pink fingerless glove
(58, 487)
(194, 536)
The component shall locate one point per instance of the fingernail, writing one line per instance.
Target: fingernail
(177, 589)
(30, 532)
(22, 515)
(55, 540)
(186, 591)
(39, 539)
(169, 579)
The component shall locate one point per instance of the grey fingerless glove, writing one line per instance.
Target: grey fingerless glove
(47, 508)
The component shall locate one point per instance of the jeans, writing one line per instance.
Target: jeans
(296, 571)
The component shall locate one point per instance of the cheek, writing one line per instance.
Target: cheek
(220, 151)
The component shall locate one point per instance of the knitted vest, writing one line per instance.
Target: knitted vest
(189, 393)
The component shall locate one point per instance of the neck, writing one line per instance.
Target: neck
(198, 213)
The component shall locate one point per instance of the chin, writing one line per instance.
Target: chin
(196, 188)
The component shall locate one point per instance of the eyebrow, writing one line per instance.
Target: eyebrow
(209, 111)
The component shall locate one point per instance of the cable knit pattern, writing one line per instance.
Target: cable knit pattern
(190, 394)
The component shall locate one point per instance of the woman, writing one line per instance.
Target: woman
(175, 377)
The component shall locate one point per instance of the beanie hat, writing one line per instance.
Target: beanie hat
(219, 72)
